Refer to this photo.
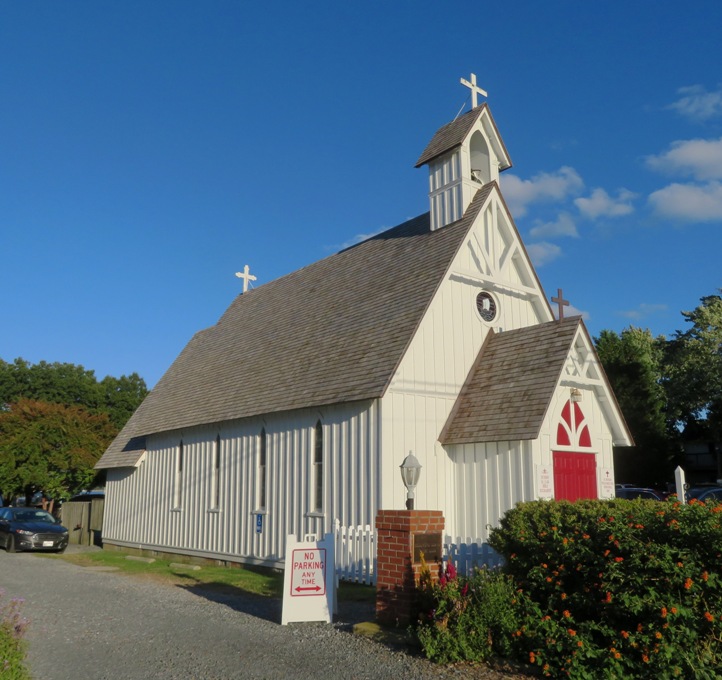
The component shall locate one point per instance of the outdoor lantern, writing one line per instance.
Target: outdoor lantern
(576, 394)
(410, 473)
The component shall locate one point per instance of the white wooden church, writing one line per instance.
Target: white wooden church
(297, 408)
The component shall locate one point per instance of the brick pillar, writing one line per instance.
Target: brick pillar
(397, 572)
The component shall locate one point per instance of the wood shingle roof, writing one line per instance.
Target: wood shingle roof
(332, 332)
(510, 386)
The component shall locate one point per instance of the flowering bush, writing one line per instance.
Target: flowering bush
(466, 619)
(592, 589)
(616, 588)
(12, 650)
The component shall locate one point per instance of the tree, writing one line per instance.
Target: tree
(50, 447)
(694, 370)
(633, 362)
(72, 385)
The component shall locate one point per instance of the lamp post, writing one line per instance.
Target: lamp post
(410, 473)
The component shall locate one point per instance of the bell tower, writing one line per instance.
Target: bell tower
(463, 156)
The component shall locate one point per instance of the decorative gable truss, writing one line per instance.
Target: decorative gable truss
(496, 260)
(583, 370)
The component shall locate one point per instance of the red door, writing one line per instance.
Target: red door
(575, 475)
(575, 472)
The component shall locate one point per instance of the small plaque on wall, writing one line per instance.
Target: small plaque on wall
(430, 545)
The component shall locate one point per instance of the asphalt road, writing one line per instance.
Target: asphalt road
(95, 625)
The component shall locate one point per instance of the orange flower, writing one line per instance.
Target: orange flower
(687, 583)
(564, 596)
(580, 643)
(608, 598)
(625, 634)
(705, 576)
(658, 635)
(532, 657)
(708, 616)
(566, 613)
(571, 632)
(673, 610)
(680, 565)
(645, 658)
(585, 535)
(617, 655)
(619, 559)
(664, 612)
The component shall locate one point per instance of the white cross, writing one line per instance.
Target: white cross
(474, 90)
(246, 276)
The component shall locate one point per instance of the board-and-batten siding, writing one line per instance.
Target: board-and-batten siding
(489, 480)
(434, 368)
(141, 502)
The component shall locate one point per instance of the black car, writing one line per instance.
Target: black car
(705, 493)
(632, 492)
(31, 529)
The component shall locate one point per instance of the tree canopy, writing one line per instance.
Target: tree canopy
(670, 390)
(56, 419)
(52, 447)
(73, 385)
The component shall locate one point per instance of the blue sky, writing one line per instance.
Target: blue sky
(149, 150)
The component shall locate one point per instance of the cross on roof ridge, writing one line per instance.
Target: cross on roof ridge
(246, 276)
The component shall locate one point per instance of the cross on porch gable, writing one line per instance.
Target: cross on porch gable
(246, 276)
(561, 302)
(475, 89)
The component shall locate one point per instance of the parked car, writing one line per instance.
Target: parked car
(31, 529)
(705, 493)
(632, 492)
(87, 496)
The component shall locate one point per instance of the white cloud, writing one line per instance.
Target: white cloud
(601, 204)
(644, 310)
(689, 202)
(544, 187)
(569, 310)
(700, 158)
(563, 226)
(698, 104)
(542, 253)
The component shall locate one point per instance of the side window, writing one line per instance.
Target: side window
(178, 495)
(317, 475)
(262, 468)
(217, 473)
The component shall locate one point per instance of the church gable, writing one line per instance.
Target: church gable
(494, 258)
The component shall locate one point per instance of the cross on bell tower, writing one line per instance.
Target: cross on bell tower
(475, 89)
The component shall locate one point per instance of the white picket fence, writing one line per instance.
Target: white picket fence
(468, 554)
(355, 549)
(355, 553)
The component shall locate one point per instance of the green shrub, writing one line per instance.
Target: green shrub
(467, 619)
(12, 648)
(616, 589)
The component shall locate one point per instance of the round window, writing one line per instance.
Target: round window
(486, 306)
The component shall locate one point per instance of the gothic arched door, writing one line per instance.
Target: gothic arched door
(575, 470)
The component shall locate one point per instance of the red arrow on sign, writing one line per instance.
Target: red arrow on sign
(316, 588)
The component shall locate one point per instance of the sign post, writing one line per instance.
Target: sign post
(309, 580)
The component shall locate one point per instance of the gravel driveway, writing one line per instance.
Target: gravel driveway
(87, 623)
